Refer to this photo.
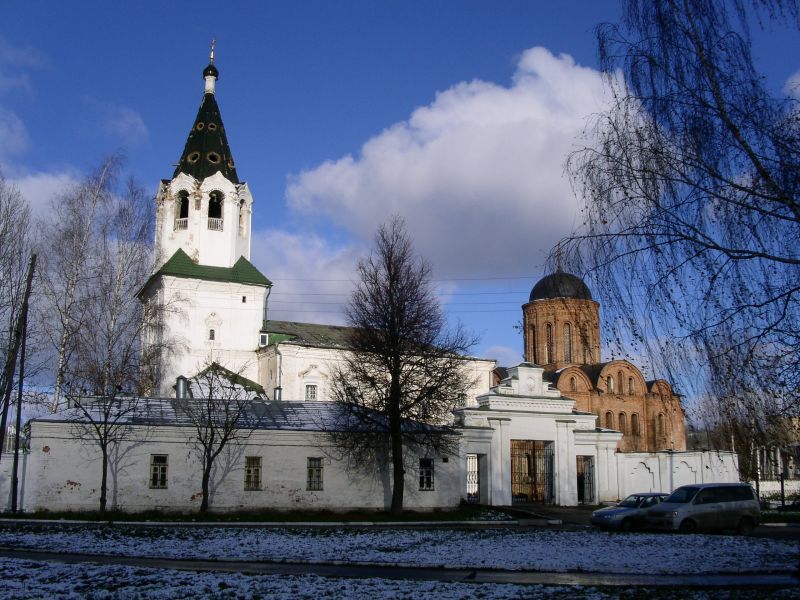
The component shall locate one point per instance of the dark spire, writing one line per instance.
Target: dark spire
(207, 150)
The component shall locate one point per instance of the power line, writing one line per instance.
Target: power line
(523, 292)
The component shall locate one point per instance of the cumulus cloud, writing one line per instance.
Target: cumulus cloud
(119, 122)
(478, 174)
(313, 278)
(504, 355)
(40, 188)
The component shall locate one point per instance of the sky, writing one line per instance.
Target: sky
(456, 115)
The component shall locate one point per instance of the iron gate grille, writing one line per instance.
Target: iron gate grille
(531, 471)
(585, 469)
(473, 479)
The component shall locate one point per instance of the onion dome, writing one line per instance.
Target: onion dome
(560, 285)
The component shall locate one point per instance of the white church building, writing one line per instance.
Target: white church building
(517, 440)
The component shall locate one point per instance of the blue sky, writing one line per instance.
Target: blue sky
(456, 115)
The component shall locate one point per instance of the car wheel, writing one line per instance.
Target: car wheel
(745, 526)
(687, 526)
(626, 525)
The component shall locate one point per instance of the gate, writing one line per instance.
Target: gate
(473, 479)
(585, 468)
(531, 471)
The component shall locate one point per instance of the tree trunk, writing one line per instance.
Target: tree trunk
(104, 482)
(398, 472)
(206, 478)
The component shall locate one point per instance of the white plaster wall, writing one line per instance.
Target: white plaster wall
(195, 306)
(65, 475)
(205, 246)
(293, 366)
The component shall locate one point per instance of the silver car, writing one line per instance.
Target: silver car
(711, 506)
(628, 514)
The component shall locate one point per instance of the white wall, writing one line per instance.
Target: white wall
(64, 474)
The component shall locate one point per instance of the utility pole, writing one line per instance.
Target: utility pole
(18, 425)
(11, 360)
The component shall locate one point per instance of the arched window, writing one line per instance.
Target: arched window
(182, 210)
(573, 384)
(631, 386)
(241, 218)
(620, 389)
(535, 355)
(609, 420)
(660, 425)
(610, 384)
(623, 423)
(215, 211)
(548, 349)
(587, 354)
(635, 424)
(567, 342)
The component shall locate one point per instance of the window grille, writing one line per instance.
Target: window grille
(158, 471)
(311, 392)
(252, 473)
(426, 473)
(314, 474)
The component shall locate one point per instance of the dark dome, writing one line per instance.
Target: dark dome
(211, 70)
(560, 285)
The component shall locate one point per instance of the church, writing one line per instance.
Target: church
(562, 427)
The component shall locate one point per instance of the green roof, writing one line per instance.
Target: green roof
(180, 265)
(235, 378)
(309, 334)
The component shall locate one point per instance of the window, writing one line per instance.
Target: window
(183, 204)
(548, 345)
(535, 356)
(215, 211)
(244, 299)
(158, 471)
(211, 334)
(610, 384)
(311, 392)
(252, 473)
(631, 386)
(620, 389)
(567, 342)
(314, 483)
(635, 424)
(609, 420)
(660, 424)
(623, 423)
(587, 355)
(573, 384)
(426, 473)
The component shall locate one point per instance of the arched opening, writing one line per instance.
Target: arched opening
(587, 354)
(619, 382)
(631, 386)
(215, 210)
(573, 384)
(535, 353)
(609, 420)
(623, 423)
(567, 342)
(635, 424)
(182, 210)
(610, 384)
(241, 218)
(660, 425)
(548, 347)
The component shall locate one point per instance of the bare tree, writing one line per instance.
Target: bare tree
(69, 233)
(220, 413)
(404, 368)
(691, 207)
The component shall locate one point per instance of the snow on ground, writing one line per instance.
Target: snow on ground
(534, 549)
(41, 580)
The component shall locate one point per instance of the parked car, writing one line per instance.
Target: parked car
(711, 506)
(793, 506)
(628, 514)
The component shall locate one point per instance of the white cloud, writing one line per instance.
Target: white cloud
(477, 174)
(13, 134)
(119, 122)
(13, 59)
(792, 86)
(312, 277)
(40, 188)
(504, 355)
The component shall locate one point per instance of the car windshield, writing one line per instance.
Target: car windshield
(630, 502)
(682, 495)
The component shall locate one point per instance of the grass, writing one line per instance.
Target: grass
(466, 512)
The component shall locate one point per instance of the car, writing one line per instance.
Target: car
(628, 514)
(793, 506)
(709, 506)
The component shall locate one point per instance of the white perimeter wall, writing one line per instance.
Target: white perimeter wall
(64, 474)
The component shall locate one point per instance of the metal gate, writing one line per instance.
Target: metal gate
(531, 471)
(473, 479)
(585, 479)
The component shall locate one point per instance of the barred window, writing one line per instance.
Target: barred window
(311, 392)
(314, 475)
(426, 473)
(158, 471)
(252, 473)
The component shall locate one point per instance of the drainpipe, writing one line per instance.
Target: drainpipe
(279, 367)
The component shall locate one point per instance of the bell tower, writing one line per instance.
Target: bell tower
(204, 209)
